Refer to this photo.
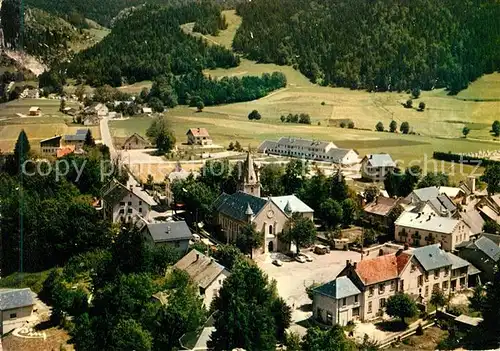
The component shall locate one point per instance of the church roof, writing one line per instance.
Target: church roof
(237, 204)
(293, 203)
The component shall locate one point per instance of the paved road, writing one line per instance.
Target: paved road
(106, 136)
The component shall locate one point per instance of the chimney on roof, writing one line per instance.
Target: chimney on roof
(406, 247)
(371, 156)
(399, 252)
(348, 263)
(354, 265)
(428, 219)
(197, 257)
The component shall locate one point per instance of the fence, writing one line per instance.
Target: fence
(401, 336)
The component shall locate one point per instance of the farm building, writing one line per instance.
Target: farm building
(135, 141)
(35, 111)
(198, 136)
(50, 146)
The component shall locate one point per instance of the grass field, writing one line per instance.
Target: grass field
(485, 88)
(406, 149)
(52, 122)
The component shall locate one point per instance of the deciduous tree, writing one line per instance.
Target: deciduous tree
(300, 231)
(393, 126)
(160, 134)
(405, 128)
(402, 306)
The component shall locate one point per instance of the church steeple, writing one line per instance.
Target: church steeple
(249, 181)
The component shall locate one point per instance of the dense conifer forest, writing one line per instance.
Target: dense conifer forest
(375, 45)
(150, 43)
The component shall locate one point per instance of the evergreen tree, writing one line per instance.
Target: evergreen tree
(89, 139)
(21, 150)
(379, 127)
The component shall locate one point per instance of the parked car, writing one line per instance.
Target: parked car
(307, 257)
(300, 259)
(277, 262)
(321, 249)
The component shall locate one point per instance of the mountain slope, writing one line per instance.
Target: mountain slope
(148, 43)
(377, 44)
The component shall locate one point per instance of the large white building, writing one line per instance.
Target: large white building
(310, 150)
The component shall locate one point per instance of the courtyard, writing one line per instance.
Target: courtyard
(293, 277)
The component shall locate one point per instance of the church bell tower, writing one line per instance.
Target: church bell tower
(249, 181)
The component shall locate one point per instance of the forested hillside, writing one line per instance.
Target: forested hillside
(101, 11)
(377, 44)
(46, 36)
(150, 43)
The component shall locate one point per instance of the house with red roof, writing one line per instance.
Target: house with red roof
(361, 289)
(198, 136)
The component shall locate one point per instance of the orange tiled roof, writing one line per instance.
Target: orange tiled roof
(199, 132)
(381, 268)
(65, 150)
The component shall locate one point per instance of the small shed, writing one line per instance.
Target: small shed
(35, 111)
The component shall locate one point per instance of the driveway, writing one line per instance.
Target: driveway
(293, 277)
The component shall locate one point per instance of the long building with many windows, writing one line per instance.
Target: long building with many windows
(310, 150)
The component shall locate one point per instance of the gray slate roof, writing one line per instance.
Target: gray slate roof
(431, 257)
(235, 205)
(426, 194)
(493, 237)
(169, 231)
(457, 262)
(15, 298)
(487, 246)
(380, 160)
(267, 144)
(303, 142)
(338, 154)
(427, 222)
(338, 288)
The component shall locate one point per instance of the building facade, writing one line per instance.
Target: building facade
(198, 136)
(16, 307)
(416, 272)
(376, 167)
(126, 204)
(135, 141)
(309, 150)
(204, 271)
(50, 146)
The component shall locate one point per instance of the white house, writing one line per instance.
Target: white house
(16, 307)
(423, 228)
(376, 167)
(126, 204)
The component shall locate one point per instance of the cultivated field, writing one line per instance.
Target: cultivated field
(52, 122)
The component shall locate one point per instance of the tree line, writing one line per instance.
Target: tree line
(197, 90)
(57, 216)
(375, 45)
